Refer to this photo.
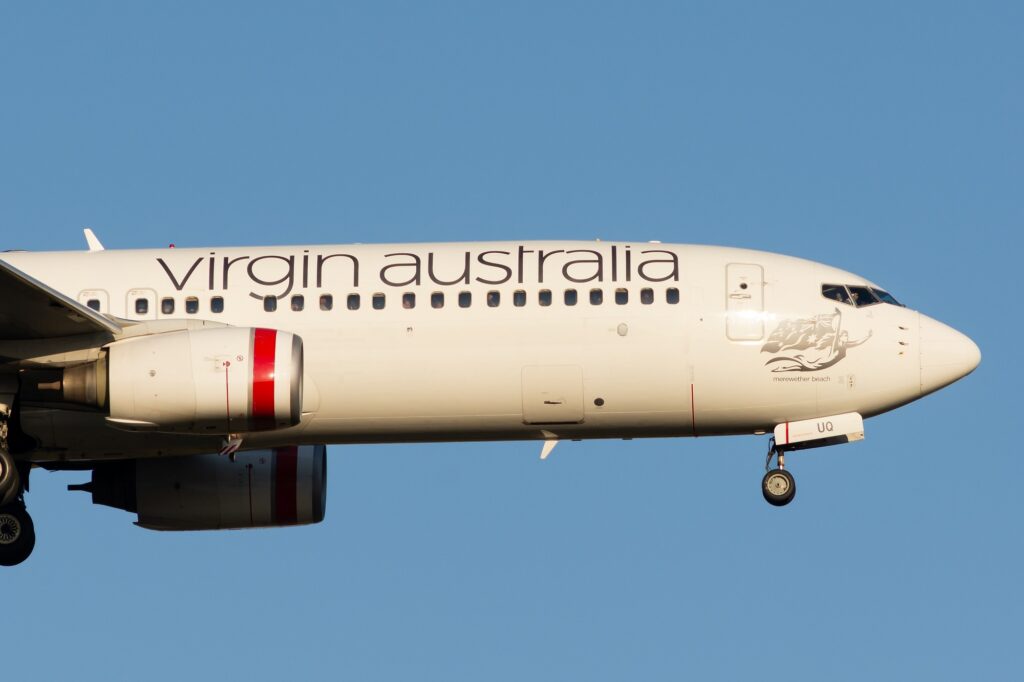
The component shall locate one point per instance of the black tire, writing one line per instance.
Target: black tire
(17, 535)
(9, 479)
(778, 487)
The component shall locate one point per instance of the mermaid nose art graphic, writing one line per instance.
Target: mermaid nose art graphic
(809, 344)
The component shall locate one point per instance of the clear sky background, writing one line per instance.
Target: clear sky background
(884, 138)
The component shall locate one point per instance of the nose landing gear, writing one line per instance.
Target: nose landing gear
(778, 485)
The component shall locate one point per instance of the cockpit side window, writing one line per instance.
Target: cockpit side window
(836, 292)
(886, 297)
(862, 296)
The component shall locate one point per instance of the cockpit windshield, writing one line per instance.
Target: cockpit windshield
(836, 292)
(857, 295)
(886, 297)
(862, 296)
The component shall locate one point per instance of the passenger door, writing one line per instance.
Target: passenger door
(744, 284)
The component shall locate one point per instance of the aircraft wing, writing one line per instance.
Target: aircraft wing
(31, 310)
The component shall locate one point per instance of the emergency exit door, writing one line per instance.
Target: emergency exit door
(97, 299)
(744, 290)
(140, 304)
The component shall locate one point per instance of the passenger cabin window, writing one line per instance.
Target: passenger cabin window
(378, 301)
(141, 306)
(437, 300)
(672, 295)
(493, 299)
(836, 292)
(191, 305)
(570, 297)
(544, 297)
(408, 301)
(862, 296)
(167, 306)
(298, 302)
(269, 303)
(596, 296)
(93, 303)
(353, 302)
(647, 296)
(217, 304)
(326, 302)
(621, 297)
(519, 298)
(465, 299)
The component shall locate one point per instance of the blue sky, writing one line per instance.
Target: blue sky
(884, 138)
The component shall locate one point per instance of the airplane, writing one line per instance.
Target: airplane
(200, 386)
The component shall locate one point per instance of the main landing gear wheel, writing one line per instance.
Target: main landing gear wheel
(10, 481)
(778, 485)
(17, 535)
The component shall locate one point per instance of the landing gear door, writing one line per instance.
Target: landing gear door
(744, 291)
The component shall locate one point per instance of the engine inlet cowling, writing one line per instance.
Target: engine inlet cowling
(262, 488)
(223, 380)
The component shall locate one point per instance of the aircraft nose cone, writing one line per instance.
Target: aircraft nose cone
(946, 355)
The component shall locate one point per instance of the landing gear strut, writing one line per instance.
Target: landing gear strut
(778, 485)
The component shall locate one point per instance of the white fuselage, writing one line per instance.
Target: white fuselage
(679, 341)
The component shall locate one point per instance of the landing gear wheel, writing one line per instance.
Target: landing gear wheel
(10, 481)
(778, 487)
(17, 535)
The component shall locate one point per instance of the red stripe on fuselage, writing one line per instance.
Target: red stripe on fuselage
(285, 494)
(264, 351)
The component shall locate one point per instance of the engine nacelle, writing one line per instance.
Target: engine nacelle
(263, 488)
(221, 380)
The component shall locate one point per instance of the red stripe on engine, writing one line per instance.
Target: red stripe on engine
(285, 493)
(264, 350)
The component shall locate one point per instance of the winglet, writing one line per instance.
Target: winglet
(92, 240)
(549, 445)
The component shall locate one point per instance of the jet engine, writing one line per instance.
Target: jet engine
(262, 488)
(221, 380)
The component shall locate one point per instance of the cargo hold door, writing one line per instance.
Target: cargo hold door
(552, 394)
